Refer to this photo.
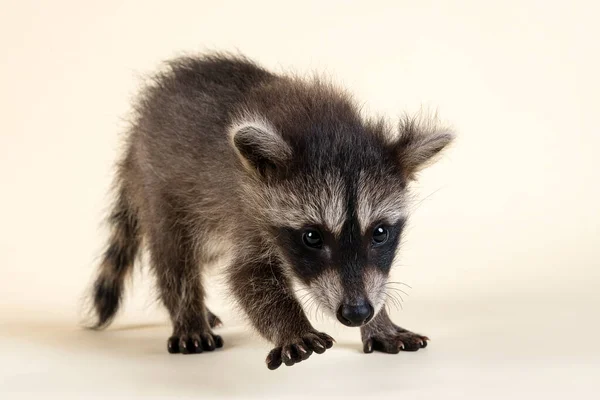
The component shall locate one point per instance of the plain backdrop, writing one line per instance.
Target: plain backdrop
(502, 253)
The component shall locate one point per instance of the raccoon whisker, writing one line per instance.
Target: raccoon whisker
(400, 301)
(310, 304)
(416, 206)
(314, 307)
(395, 291)
(317, 311)
(393, 300)
(401, 308)
(306, 299)
(306, 304)
(304, 296)
(399, 283)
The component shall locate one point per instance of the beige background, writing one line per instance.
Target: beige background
(502, 253)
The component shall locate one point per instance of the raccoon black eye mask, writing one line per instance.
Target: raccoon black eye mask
(284, 182)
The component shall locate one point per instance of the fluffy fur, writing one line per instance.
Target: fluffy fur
(227, 159)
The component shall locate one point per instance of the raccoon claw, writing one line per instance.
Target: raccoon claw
(393, 344)
(213, 320)
(299, 349)
(194, 343)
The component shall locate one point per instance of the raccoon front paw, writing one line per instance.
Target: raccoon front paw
(299, 349)
(193, 343)
(393, 343)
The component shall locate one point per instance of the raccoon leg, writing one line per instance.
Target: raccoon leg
(263, 291)
(174, 260)
(381, 334)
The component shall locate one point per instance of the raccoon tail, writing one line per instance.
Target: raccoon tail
(117, 261)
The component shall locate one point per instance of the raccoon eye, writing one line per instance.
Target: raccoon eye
(380, 235)
(312, 238)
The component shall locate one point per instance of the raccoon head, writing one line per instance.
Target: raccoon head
(334, 200)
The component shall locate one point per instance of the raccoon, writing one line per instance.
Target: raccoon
(284, 179)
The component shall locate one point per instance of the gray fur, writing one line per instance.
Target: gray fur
(222, 161)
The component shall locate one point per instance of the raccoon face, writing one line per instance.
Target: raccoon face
(336, 205)
(345, 273)
(342, 244)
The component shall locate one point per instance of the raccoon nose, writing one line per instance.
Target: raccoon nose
(355, 314)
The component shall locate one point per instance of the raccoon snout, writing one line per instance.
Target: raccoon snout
(355, 314)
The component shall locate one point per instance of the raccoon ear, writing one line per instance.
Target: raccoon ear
(259, 146)
(419, 142)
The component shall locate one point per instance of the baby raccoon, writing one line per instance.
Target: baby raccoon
(285, 178)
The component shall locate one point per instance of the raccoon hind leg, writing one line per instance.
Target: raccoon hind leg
(175, 260)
